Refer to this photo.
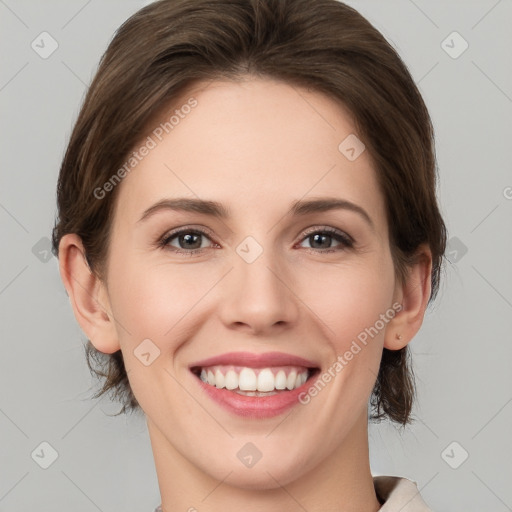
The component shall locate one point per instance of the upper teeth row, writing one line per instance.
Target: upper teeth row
(247, 379)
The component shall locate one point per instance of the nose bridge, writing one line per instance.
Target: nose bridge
(258, 295)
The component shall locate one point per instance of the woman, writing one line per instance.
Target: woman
(249, 235)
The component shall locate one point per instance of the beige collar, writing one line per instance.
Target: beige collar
(399, 494)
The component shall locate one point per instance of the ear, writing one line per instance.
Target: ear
(88, 295)
(413, 295)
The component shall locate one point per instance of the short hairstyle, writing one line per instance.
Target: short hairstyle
(322, 45)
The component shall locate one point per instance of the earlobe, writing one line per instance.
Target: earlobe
(88, 295)
(413, 295)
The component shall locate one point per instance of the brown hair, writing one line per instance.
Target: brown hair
(323, 45)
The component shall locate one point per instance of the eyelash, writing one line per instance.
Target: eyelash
(346, 241)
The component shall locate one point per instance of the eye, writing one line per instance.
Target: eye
(190, 241)
(321, 239)
(185, 241)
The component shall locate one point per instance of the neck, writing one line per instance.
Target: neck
(341, 482)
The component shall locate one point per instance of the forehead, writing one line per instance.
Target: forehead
(250, 143)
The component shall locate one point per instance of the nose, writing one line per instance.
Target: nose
(258, 297)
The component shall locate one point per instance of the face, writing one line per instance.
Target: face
(260, 298)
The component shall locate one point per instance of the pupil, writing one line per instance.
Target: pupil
(189, 237)
(319, 236)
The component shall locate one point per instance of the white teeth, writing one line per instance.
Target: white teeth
(280, 381)
(292, 378)
(247, 380)
(256, 393)
(265, 380)
(231, 380)
(219, 379)
(253, 382)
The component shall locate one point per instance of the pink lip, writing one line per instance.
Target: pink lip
(251, 360)
(255, 406)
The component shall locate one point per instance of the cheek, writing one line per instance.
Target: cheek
(157, 304)
(154, 301)
(351, 298)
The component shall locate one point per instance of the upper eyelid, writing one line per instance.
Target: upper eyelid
(186, 229)
(327, 229)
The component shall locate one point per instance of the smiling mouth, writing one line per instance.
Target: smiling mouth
(248, 381)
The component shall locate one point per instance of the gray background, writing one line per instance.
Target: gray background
(463, 354)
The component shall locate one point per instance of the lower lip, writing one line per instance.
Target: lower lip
(255, 406)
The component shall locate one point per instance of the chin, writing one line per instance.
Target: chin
(262, 478)
(271, 471)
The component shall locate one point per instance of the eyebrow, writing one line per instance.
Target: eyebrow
(218, 210)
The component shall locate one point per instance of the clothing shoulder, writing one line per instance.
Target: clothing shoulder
(399, 494)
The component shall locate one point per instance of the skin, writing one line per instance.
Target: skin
(255, 146)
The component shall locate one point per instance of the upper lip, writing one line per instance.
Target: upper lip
(251, 360)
